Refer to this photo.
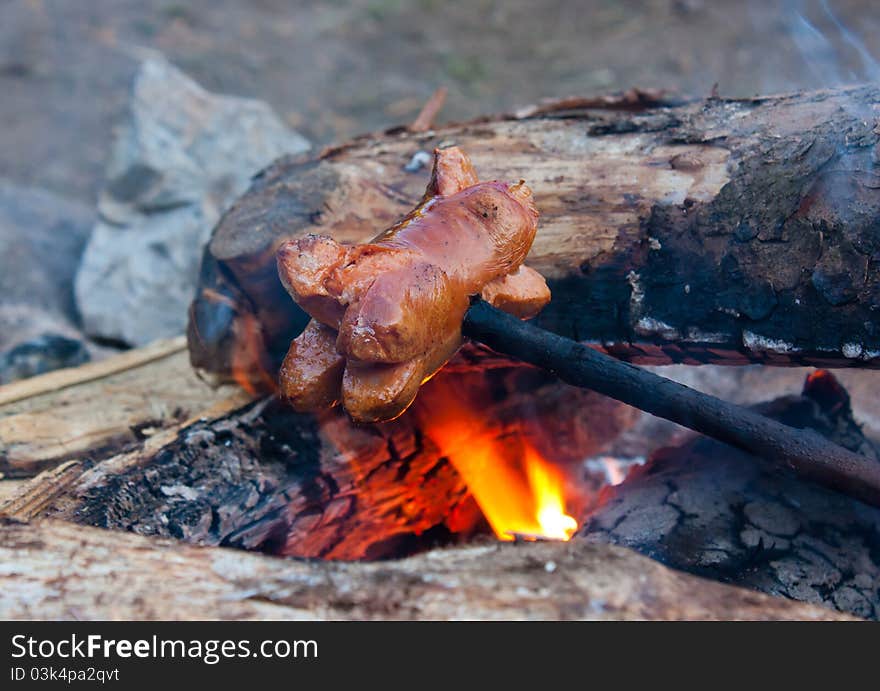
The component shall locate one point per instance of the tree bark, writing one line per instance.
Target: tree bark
(723, 231)
(63, 571)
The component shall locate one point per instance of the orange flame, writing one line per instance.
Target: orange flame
(520, 493)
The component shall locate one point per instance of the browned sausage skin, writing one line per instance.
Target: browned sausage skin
(311, 374)
(522, 293)
(311, 377)
(395, 305)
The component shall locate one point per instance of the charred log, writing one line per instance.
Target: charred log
(712, 510)
(723, 231)
(265, 478)
(703, 507)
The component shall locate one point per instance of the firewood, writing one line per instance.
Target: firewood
(723, 231)
(103, 408)
(64, 571)
(240, 479)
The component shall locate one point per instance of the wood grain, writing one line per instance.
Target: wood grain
(99, 409)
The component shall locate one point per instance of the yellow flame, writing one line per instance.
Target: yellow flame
(521, 494)
(548, 492)
(520, 497)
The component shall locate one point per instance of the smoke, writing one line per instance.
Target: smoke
(835, 54)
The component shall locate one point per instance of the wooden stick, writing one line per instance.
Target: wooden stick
(425, 119)
(810, 454)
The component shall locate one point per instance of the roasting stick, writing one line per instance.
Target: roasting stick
(810, 454)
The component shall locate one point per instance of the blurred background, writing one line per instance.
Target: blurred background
(338, 68)
(78, 140)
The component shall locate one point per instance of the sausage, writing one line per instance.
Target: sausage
(522, 293)
(311, 377)
(396, 304)
(445, 250)
(311, 374)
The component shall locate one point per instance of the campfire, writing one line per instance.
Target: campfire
(457, 385)
(372, 362)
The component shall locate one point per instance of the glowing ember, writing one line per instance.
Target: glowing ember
(248, 370)
(520, 493)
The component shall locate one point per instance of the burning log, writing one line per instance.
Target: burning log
(724, 231)
(227, 478)
(264, 477)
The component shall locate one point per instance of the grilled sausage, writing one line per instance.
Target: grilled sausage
(396, 304)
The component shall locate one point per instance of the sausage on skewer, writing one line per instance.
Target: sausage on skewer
(387, 315)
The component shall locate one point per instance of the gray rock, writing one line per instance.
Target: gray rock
(42, 237)
(180, 160)
(21, 322)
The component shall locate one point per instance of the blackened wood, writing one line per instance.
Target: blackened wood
(709, 509)
(263, 477)
(808, 453)
(266, 478)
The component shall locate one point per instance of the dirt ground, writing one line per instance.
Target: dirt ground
(337, 68)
